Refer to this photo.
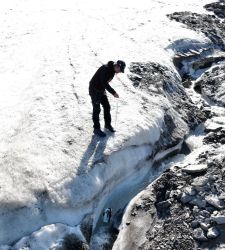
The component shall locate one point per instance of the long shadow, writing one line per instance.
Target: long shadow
(93, 154)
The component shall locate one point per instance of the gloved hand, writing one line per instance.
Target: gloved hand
(116, 95)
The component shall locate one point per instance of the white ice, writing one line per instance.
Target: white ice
(52, 169)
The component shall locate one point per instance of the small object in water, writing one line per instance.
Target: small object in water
(107, 215)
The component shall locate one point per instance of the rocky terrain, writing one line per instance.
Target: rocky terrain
(211, 85)
(211, 25)
(162, 173)
(185, 207)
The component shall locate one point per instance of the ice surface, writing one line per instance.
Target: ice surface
(48, 237)
(51, 166)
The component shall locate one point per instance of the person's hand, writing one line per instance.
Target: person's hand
(116, 95)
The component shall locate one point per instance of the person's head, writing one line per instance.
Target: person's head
(119, 66)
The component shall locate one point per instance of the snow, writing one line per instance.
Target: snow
(48, 237)
(52, 169)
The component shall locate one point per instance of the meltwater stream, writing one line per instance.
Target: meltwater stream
(104, 233)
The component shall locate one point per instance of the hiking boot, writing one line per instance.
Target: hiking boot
(110, 128)
(97, 131)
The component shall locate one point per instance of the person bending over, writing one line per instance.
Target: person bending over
(97, 90)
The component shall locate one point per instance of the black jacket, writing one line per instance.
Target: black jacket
(100, 81)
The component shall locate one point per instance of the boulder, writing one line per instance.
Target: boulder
(215, 201)
(204, 23)
(194, 224)
(204, 226)
(219, 219)
(190, 190)
(200, 181)
(192, 169)
(163, 204)
(222, 196)
(213, 233)
(199, 202)
(199, 235)
(185, 198)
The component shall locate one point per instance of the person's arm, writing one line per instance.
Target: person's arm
(110, 89)
(102, 78)
(104, 83)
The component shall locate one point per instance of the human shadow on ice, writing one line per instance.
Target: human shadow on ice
(93, 154)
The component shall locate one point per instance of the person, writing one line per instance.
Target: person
(107, 215)
(97, 90)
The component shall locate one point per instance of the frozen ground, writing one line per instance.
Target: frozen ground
(52, 169)
(143, 228)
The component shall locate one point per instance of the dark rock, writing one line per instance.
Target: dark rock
(199, 202)
(187, 83)
(219, 218)
(222, 196)
(133, 214)
(199, 182)
(135, 79)
(207, 112)
(190, 190)
(157, 79)
(218, 8)
(204, 226)
(167, 195)
(72, 242)
(198, 87)
(195, 211)
(217, 136)
(214, 129)
(185, 198)
(211, 84)
(138, 206)
(191, 169)
(205, 213)
(207, 24)
(163, 204)
(199, 235)
(207, 62)
(210, 209)
(194, 224)
(213, 233)
(185, 148)
(215, 201)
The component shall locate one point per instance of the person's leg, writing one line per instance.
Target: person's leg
(106, 107)
(96, 111)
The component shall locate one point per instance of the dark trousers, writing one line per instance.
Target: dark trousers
(102, 99)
